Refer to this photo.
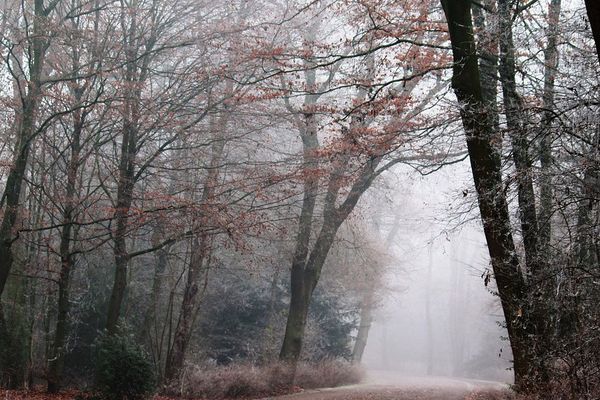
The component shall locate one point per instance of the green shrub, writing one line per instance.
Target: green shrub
(123, 370)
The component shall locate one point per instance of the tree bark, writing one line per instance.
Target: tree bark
(593, 11)
(487, 176)
(487, 44)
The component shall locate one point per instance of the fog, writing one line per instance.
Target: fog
(250, 197)
(438, 317)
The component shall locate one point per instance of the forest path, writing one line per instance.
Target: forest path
(387, 386)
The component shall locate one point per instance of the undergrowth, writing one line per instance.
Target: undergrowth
(246, 380)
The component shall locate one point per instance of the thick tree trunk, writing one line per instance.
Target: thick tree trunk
(299, 301)
(486, 169)
(12, 194)
(593, 11)
(13, 343)
(304, 279)
(300, 293)
(308, 263)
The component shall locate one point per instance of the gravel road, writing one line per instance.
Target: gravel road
(387, 386)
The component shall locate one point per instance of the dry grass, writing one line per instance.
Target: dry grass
(491, 395)
(558, 389)
(248, 381)
(328, 374)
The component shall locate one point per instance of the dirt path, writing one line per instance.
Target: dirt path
(384, 386)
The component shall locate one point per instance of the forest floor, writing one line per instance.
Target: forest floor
(378, 386)
(357, 392)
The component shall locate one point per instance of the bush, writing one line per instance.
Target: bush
(123, 370)
(246, 380)
(327, 373)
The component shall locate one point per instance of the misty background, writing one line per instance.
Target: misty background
(439, 316)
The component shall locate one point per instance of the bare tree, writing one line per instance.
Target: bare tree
(486, 167)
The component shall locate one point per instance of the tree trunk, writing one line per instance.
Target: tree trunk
(299, 301)
(191, 295)
(366, 320)
(25, 133)
(535, 262)
(57, 356)
(156, 291)
(134, 78)
(305, 276)
(121, 217)
(550, 69)
(304, 279)
(297, 315)
(586, 254)
(515, 119)
(428, 320)
(487, 45)
(593, 11)
(487, 176)
(150, 328)
(198, 260)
